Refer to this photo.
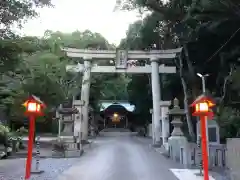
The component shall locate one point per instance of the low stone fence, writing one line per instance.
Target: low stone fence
(233, 157)
(188, 155)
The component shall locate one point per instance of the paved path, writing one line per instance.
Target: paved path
(121, 158)
(110, 158)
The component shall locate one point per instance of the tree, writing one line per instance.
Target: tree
(15, 11)
(209, 38)
(42, 71)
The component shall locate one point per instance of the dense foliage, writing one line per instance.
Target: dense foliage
(208, 31)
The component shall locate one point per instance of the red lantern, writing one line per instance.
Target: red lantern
(34, 107)
(202, 108)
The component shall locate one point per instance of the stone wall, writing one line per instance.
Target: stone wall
(233, 157)
(188, 155)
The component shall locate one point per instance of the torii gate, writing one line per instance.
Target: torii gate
(121, 57)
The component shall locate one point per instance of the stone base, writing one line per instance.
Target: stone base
(157, 145)
(85, 142)
(37, 172)
(73, 153)
(56, 154)
(68, 154)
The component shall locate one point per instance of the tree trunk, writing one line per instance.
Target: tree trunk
(184, 85)
(192, 75)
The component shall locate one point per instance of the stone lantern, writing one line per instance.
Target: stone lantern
(177, 114)
(177, 141)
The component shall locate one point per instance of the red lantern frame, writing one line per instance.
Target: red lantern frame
(39, 106)
(200, 100)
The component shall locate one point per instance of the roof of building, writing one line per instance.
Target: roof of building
(104, 104)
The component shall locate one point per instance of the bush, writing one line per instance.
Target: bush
(11, 140)
(22, 131)
(59, 146)
(4, 130)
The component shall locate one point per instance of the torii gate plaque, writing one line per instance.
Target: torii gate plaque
(121, 57)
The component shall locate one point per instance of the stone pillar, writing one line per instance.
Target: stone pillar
(78, 117)
(165, 121)
(156, 100)
(85, 92)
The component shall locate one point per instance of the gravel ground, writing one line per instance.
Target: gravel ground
(14, 169)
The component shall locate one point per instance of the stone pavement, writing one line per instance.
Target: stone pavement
(121, 158)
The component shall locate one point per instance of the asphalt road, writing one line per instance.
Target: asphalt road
(120, 158)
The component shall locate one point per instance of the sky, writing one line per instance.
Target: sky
(70, 15)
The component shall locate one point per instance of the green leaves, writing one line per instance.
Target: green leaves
(13, 11)
(40, 69)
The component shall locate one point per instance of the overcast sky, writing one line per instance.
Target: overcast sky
(70, 15)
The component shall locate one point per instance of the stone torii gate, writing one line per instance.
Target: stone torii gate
(121, 57)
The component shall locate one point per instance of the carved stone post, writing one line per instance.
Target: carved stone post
(165, 121)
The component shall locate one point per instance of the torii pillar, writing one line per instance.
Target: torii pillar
(156, 101)
(85, 92)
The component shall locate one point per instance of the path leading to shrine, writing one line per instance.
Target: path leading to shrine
(121, 158)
